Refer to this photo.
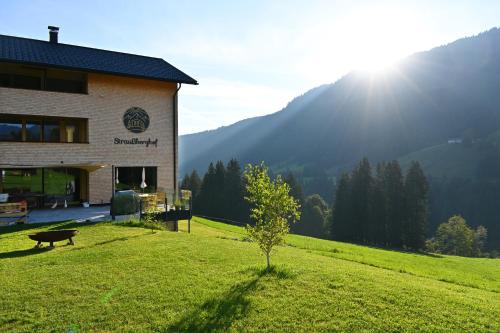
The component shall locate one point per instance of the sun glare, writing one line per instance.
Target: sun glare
(380, 37)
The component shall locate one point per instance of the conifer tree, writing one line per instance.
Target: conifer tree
(186, 182)
(394, 191)
(341, 222)
(194, 183)
(218, 190)
(416, 189)
(361, 194)
(295, 187)
(194, 187)
(379, 211)
(205, 197)
(234, 192)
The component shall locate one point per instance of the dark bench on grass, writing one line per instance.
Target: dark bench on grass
(53, 236)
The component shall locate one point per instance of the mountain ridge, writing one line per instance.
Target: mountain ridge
(450, 91)
(426, 80)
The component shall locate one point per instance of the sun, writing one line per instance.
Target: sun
(379, 37)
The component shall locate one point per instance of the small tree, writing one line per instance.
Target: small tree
(272, 207)
(455, 237)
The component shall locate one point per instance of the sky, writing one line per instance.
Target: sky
(252, 57)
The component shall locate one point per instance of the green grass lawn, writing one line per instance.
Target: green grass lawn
(129, 279)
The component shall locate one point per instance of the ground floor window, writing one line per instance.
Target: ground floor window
(131, 178)
(44, 187)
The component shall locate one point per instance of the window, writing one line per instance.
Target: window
(130, 178)
(62, 85)
(33, 131)
(43, 129)
(39, 78)
(51, 131)
(11, 130)
(25, 82)
(19, 181)
(44, 186)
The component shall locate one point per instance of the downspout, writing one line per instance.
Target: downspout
(175, 127)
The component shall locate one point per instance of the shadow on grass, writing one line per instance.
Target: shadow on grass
(278, 272)
(23, 253)
(109, 241)
(120, 239)
(218, 314)
(23, 227)
(47, 226)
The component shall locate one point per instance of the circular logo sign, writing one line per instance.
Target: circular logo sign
(136, 120)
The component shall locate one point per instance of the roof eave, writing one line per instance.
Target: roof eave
(86, 70)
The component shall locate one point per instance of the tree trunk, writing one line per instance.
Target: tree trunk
(268, 261)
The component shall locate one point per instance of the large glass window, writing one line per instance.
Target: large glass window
(45, 129)
(42, 186)
(25, 82)
(20, 181)
(33, 131)
(131, 178)
(51, 131)
(41, 78)
(11, 130)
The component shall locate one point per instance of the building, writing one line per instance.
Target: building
(455, 141)
(76, 123)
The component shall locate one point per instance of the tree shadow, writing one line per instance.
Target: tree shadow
(278, 272)
(218, 314)
(118, 239)
(23, 253)
(109, 241)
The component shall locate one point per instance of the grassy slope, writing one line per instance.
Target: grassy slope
(126, 279)
(478, 273)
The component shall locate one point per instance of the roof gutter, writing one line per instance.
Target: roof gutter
(175, 130)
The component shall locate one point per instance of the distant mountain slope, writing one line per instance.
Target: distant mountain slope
(408, 113)
(468, 160)
(449, 91)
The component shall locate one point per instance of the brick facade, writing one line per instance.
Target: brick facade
(107, 99)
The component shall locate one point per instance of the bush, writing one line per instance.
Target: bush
(146, 223)
(125, 203)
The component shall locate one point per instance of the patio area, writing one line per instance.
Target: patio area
(78, 214)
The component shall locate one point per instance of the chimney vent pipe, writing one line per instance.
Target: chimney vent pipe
(53, 32)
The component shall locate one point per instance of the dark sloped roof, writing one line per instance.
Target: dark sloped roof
(38, 52)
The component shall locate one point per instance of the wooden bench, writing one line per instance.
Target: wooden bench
(18, 211)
